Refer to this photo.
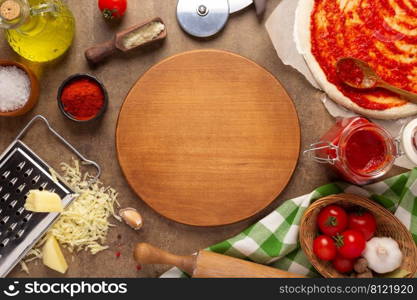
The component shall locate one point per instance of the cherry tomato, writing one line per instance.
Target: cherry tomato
(343, 265)
(350, 243)
(324, 247)
(112, 9)
(363, 222)
(332, 220)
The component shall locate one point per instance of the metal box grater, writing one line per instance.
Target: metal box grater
(22, 170)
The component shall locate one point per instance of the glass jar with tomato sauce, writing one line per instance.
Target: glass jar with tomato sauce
(359, 150)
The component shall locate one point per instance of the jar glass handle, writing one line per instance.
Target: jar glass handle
(48, 7)
(320, 146)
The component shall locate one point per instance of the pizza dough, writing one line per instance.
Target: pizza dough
(396, 107)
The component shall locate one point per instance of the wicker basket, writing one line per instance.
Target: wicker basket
(387, 225)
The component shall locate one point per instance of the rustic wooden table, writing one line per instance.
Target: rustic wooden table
(243, 35)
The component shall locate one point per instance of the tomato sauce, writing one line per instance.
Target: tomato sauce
(362, 30)
(359, 150)
(365, 151)
(349, 72)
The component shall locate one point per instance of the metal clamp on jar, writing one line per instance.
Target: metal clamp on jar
(359, 150)
(408, 137)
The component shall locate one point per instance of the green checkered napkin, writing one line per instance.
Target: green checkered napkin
(274, 239)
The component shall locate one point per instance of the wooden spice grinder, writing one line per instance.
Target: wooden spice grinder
(205, 264)
(98, 53)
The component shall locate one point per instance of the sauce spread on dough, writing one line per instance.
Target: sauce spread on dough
(381, 32)
(349, 72)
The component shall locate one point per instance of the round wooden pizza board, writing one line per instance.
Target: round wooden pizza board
(208, 138)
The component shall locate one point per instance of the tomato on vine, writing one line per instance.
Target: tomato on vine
(112, 9)
(332, 220)
(324, 247)
(343, 265)
(350, 243)
(364, 222)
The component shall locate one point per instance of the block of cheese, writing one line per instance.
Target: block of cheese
(52, 255)
(43, 201)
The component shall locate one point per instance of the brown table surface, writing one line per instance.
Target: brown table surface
(243, 35)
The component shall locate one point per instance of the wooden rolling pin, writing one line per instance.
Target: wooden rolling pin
(207, 264)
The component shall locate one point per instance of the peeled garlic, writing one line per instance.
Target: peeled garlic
(131, 217)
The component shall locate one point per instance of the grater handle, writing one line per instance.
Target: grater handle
(64, 141)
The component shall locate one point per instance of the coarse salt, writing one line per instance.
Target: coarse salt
(14, 88)
(143, 34)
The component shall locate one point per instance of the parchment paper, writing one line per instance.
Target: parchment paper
(280, 27)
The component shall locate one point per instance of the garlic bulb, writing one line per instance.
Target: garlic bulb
(383, 254)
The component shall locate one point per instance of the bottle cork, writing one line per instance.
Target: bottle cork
(9, 10)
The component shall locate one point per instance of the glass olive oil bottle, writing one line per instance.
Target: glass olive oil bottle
(38, 30)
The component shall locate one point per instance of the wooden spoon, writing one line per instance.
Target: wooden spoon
(371, 79)
(97, 53)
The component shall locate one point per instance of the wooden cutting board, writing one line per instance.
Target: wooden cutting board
(208, 138)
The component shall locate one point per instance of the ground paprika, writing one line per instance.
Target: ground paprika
(82, 98)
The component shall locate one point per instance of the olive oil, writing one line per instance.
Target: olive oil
(46, 32)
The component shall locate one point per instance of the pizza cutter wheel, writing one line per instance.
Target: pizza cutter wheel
(205, 18)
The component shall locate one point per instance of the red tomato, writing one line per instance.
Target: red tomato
(343, 265)
(332, 220)
(364, 223)
(112, 9)
(324, 247)
(350, 244)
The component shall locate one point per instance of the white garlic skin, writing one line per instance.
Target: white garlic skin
(131, 217)
(383, 254)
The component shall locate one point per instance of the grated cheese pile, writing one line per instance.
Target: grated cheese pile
(84, 223)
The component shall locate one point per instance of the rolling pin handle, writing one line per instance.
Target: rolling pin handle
(96, 54)
(147, 254)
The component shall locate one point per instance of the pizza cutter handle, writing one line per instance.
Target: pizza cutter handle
(65, 142)
(403, 93)
(260, 6)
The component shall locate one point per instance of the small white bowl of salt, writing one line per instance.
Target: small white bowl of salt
(19, 89)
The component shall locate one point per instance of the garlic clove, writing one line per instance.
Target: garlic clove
(131, 217)
(361, 265)
(366, 274)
